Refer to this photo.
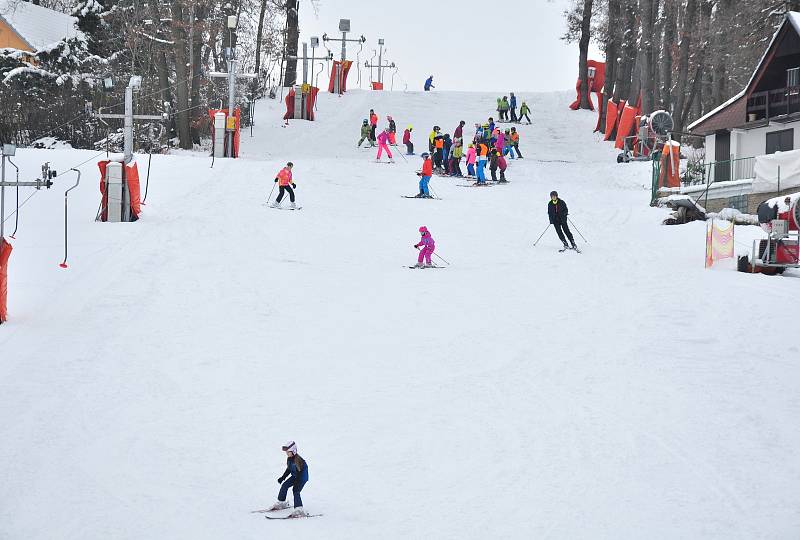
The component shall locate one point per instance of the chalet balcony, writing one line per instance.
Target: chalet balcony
(773, 103)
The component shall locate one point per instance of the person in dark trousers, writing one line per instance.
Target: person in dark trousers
(513, 104)
(407, 141)
(285, 184)
(429, 84)
(297, 472)
(494, 155)
(458, 133)
(558, 212)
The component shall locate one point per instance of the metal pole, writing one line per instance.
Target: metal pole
(312, 63)
(128, 134)
(231, 99)
(305, 63)
(540, 236)
(380, 65)
(2, 197)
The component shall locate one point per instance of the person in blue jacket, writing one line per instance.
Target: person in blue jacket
(513, 107)
(429, 84)
(297, 472)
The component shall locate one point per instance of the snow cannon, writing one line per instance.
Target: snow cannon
(653, 131)
(119, 190)
(597, 79)
(779, 217)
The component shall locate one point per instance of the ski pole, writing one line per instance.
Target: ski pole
(270, 191)
(576, 230)
(441, 259)
(432, 192)
(540, 236)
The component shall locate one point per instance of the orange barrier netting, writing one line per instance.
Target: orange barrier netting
(670, 170)
(5, 253)
(131, 179)
(627, 123)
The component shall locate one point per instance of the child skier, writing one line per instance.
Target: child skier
(483, 155)
(558, 213)
(431, 137)
(493, 157)
(383, 140)
(392, 131)
(471, 154)
(456, 154)
(407, 141)
(297, 471)
(285, 184)
(428, 245)
(447, 144)
(504, 109)
(507, 146)
(366, 133)
(502, 165)
(373, 123)
(515, 143)
(523, 111)
(425, 176)
(438, 155)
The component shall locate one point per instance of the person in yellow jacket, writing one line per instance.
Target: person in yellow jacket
(432, 136)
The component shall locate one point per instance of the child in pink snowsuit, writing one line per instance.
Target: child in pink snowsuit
(383, 140)
(501, 141)
(428, 245)
(471, 155)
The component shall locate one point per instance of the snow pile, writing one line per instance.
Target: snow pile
(519, 393)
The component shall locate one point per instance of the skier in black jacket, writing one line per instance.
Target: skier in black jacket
(558, 212)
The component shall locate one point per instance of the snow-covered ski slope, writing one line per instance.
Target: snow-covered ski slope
(622, 393)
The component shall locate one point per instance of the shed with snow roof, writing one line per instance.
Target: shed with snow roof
(29, 27)
(764, 117)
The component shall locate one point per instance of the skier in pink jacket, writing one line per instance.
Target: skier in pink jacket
(383, 144)
(471, 156)
(501, 140)
(428, 245)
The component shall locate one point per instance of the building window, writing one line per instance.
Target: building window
(792, 77)
(740, 203)
(780, 141)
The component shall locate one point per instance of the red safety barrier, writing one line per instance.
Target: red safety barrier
(627, 123)
(343, 83)
(311, 98)
(596, 84)
(5, 253)
(237, 119)
(670, 170)
(131, 174)
(377, 85)
(612, 117)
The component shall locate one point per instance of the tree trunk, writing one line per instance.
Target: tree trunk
(182, 87)
(161, 56)
(612, 63)
(688, 27)
(292, 38)
(260, 36)
(646, 56)
(583, 46)
(197, 113)
(628, 51)
(668, 48)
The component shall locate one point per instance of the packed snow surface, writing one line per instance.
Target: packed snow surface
(622, 393)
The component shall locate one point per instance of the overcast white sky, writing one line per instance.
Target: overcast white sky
(504, 46)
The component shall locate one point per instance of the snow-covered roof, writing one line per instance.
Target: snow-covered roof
(38, 26)
(793, 18)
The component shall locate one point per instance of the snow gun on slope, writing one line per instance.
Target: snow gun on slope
(780, 219)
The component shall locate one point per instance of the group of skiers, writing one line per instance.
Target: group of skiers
(507, 109)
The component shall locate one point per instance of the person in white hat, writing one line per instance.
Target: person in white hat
(297, 472)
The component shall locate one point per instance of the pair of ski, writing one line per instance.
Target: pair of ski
(267, 511)
(484, 184)
(415, 267)
(418, 197)
(567, 248)
(282, 207)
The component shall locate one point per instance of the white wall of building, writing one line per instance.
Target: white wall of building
(753, 142)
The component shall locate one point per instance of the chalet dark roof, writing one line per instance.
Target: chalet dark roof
(733, 113)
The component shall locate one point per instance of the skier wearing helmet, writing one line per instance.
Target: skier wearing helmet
(297, 472)
(425, 176)
(428, 245)
(407, 141)
(366, 133)
(392, 131)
